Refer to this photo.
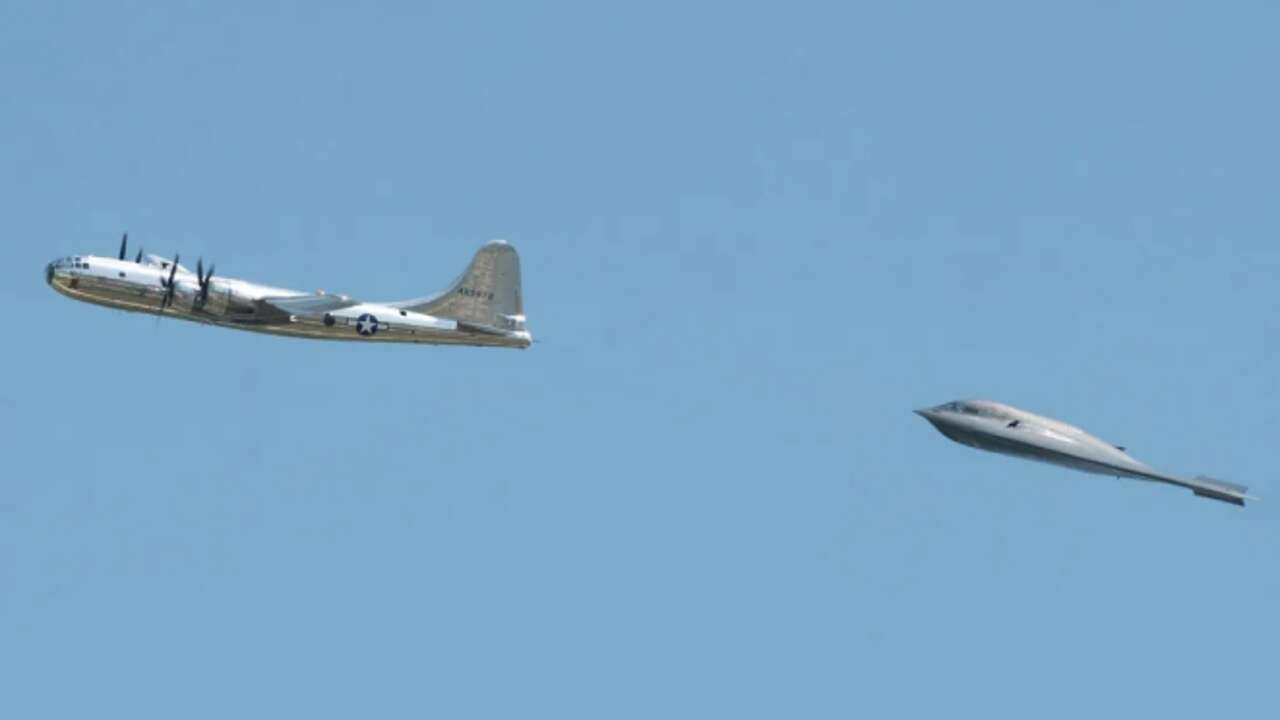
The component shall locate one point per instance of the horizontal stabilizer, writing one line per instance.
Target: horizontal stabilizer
(481, 329)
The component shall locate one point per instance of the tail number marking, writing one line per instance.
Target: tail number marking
(471, 292)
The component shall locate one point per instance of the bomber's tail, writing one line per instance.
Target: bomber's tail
(486, 298)
(1219, 490)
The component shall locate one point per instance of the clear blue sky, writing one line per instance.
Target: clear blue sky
(753, 240)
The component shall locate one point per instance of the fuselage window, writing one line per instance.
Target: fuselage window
(121, 274)
(404, 314)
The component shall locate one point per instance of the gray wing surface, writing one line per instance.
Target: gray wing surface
(1218, 490)
(282, 309)
(1202, 486)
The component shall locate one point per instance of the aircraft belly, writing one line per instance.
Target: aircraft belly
(137, 297)
(1032, 449)
(385, 333)
(110, 293)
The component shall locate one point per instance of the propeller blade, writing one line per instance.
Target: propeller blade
(168, 285)
(124, 245)
(203, 281)
(204, 286)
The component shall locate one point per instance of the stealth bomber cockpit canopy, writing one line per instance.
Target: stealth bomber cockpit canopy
(979, 408)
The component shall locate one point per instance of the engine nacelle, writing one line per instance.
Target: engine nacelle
(227, 300)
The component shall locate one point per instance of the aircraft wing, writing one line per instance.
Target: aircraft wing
(1219, 490)
(283, 309)
(1202, 486)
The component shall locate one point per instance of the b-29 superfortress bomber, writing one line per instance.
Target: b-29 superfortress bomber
(482, 307)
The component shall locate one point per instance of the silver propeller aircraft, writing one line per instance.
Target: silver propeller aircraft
(1007, 430)
(482, 307)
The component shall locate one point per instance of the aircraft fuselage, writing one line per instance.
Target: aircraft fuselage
(140, 286)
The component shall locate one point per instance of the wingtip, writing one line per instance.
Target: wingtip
(1227, 496)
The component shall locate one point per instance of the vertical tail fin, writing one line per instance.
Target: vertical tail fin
(486, 297)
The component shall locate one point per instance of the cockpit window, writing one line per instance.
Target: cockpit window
(978, 409)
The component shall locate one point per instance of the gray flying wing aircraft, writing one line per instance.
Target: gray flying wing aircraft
(1007, 430)
(483, 306)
